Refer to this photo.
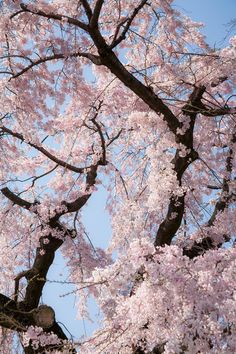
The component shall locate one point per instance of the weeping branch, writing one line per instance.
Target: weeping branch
(226, 197)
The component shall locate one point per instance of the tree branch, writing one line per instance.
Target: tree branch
(45, 152)
(94, 58)
(103, 143)
(130, 19)
(13, 318)
(214, 112)
(96, 13)
(70, 20)
(79, 202)
(17, 200)
(199, 248)
(87, 8)
(173, 219)
(172, 222)
(49, 244)
(111, 61)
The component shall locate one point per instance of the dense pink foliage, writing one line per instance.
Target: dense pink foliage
(135, 101)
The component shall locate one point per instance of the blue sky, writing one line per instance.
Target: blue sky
(216, 14)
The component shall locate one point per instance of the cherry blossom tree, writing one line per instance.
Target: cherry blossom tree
(127, 95)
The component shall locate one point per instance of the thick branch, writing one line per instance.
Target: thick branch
(9, 315)
(15, 199)
(172, 222)
(36, 276)
(13, 318)
(173, 219)
(79, 202)
(195, 105)
(96, 13)
(103, 143)
(45, 253)
(110, 60)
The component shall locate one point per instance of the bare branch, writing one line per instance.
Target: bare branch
(37, 62)
(87, 8)
(211, 112)
(215, 56)
(96, 13)
(114, 138)
(5, 72)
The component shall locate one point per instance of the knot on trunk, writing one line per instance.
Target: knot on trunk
(44, 316)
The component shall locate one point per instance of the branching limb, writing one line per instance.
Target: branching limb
(96, 13)
(35, 178)
(45, 253)
(128, 21)
(108, 58)
(17, 283)
(214, 112)
(114, 138)
(173, 219)
(196, 104)
(36, 276)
